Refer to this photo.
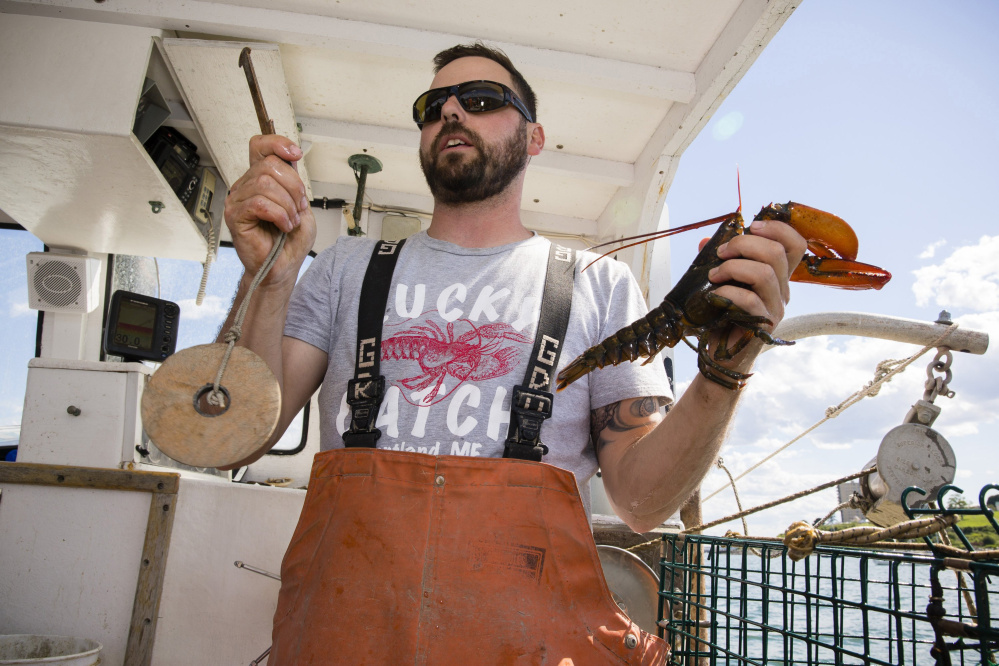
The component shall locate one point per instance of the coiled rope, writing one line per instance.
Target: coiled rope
(801, 538)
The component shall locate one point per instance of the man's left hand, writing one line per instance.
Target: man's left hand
(763, 260)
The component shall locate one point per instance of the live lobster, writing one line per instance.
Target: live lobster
(692, 308)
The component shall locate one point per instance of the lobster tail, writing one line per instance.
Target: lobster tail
(641, 339)
(585, 363)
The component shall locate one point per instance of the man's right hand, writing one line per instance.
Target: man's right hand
(270, 197)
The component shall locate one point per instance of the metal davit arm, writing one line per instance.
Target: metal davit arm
(884, 327)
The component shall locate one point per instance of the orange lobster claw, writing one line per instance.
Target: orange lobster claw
(841, 273)
(833, 245)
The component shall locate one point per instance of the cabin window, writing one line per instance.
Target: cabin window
(18, 335)
(178, 281)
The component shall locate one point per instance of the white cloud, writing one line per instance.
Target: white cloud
(19, 310)
(680, 387)
(968, 278)
(987, 322)
(931, 249)
(213, 307)
(10, 414)
(833, 447)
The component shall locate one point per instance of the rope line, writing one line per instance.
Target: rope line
(789, 498)
(973, 555)
(745, 526)
(216, 397)
(839, 507)
(884, 373)
(762, 507)
(738, 500)
(801, 538)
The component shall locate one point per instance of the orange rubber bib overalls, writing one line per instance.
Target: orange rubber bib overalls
(409, 558)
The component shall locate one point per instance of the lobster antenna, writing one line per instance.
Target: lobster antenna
(738, 186)
(651, 236)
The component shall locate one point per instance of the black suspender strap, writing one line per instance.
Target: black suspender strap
(531, 402)
(366, 390)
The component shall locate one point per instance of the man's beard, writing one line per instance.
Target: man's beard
(458, 179)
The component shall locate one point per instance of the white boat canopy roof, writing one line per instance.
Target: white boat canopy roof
(623, 88)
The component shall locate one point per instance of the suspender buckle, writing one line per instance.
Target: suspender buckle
(364, 396)
(530, 408)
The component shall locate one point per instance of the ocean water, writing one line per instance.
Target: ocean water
(842, 607)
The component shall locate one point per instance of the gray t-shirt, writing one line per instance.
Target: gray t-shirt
(459, 326)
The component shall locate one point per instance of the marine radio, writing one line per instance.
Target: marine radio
(177, 159)
(141, 328)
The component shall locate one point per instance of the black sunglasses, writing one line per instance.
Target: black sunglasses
(474, 97)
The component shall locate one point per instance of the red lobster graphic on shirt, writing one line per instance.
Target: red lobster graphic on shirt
(475, 355)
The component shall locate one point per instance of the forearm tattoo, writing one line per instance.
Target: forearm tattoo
(609, 422)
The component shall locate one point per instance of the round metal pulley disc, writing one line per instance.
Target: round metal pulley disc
(180, 419)
(915, 455)
(633, 585)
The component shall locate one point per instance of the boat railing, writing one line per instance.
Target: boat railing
(737, 600)
(885, 327)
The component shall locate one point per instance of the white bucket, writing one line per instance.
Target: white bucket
(60, 650)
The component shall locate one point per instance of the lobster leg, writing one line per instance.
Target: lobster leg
(717, 372)
(725, 353)
(751, 324)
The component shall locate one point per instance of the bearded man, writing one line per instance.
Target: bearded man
(433, 536)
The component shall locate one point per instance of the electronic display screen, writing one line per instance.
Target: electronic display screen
(140, 327)
(173, 174)
(136, 325)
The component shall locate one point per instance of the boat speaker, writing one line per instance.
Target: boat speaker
(62, 282)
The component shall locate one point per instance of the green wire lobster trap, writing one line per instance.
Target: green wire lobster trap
(740, 601)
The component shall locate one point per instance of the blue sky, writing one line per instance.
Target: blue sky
(883, 113)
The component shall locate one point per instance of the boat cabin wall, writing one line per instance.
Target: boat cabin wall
(79, 179)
